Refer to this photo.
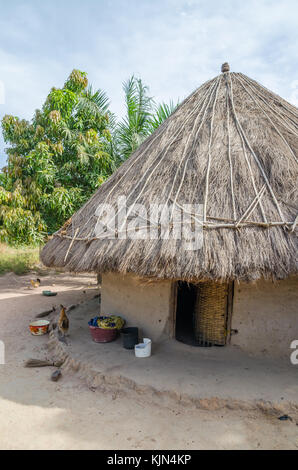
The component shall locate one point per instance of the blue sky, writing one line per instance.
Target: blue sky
(173, 45)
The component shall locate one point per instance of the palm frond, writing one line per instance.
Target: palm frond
(95, 103)
(162, 112)
(134, 128)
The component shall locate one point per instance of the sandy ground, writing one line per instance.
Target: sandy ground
(39, 414)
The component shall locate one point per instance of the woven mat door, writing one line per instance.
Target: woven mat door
(211, 313)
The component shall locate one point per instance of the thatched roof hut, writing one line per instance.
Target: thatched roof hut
(230, 152)
(231, 146)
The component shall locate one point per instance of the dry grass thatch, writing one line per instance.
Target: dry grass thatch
(231, 146)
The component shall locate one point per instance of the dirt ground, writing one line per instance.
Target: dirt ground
(37, 413)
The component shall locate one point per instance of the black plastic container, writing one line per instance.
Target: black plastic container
(130, 337)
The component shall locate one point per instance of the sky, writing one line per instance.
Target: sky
(173, 45)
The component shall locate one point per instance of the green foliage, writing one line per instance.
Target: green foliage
(143, 116)
(160, 114)
(55, 162)
(134, 127)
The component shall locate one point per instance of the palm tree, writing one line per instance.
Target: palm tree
(134, 127)
(142, 117)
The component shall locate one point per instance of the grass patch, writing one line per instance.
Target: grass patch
(18, 260)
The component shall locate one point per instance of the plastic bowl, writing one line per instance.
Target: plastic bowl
(48, 293)
(39, 327)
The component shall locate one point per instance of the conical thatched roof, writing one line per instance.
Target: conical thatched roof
(231, 146)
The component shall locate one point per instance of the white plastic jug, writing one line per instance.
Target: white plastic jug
(143, 349)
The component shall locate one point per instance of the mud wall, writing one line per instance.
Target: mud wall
(145, 305)
(266, 317)
(265, 314)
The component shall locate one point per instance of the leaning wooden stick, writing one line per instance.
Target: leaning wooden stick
(42, 363)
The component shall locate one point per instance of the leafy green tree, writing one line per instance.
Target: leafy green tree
(56, 161)
(142, 117)
(59, 158)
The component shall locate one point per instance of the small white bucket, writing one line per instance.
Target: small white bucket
(143, 349)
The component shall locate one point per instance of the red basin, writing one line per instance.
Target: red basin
(102, 335)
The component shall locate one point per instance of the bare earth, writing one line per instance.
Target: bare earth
(39, 414)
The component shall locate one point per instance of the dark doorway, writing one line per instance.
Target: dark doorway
(186, 301)
(203, 313)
